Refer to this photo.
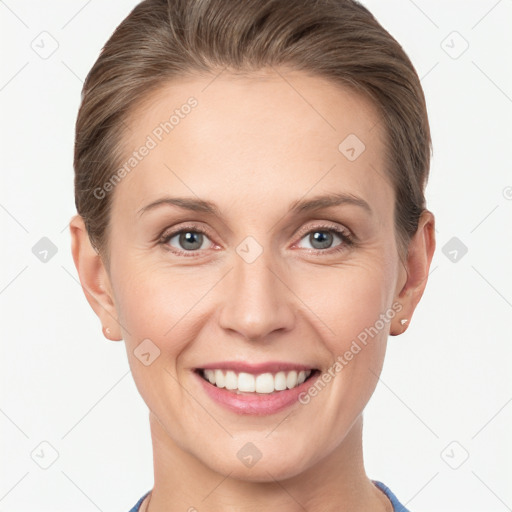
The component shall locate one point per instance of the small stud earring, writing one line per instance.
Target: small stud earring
(403, 321)
(107, 330)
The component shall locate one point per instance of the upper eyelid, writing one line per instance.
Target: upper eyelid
(171, 232)
(198, 227)
(325, 226)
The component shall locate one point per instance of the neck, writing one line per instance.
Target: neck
(335, 483)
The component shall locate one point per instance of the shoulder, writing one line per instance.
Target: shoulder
(397, 506)
(138, 504)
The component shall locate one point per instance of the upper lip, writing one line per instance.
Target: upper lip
(256, 369)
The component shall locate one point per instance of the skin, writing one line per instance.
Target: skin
(253, 146)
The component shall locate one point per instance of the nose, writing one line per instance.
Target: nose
(256, 299)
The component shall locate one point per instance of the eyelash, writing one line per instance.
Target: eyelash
(346, 237)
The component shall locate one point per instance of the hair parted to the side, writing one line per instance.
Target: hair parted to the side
(162, 40)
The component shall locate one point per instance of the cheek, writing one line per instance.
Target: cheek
(354, 304)
(154, 302)
(349, 300)
(156, 311)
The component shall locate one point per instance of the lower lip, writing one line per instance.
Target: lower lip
(259, 404)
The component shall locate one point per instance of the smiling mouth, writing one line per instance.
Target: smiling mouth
(264, 383)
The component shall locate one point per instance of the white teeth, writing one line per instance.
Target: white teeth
(262, 383)
(291, 379)
(210, 375)
(231, 380)
(220, 381)
(280, 381)
(265, 383)
(246, 382)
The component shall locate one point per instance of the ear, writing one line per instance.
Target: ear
(415, 272)
(94, 279)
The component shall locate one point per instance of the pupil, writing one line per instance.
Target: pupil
(191, 237)
(323, 238)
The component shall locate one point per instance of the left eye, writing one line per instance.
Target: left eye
(323, 238)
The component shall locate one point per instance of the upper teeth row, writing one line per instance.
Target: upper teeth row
(263, 383)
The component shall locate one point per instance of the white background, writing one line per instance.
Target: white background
(445, 392)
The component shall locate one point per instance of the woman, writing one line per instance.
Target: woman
(249, 181)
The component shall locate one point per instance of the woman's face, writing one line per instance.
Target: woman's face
(248, 272)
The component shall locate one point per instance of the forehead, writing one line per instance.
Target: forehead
(271, 131)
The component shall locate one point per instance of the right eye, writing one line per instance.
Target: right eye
(185, 240)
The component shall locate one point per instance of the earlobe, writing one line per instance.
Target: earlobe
(419, 257)
(94, 279)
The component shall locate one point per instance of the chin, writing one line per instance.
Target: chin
(265, 471)
(253, 465)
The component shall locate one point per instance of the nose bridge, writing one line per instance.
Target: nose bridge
(255, 301)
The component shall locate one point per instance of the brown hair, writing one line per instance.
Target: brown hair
(164, 39)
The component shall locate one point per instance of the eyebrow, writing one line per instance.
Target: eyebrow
(299, 206)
